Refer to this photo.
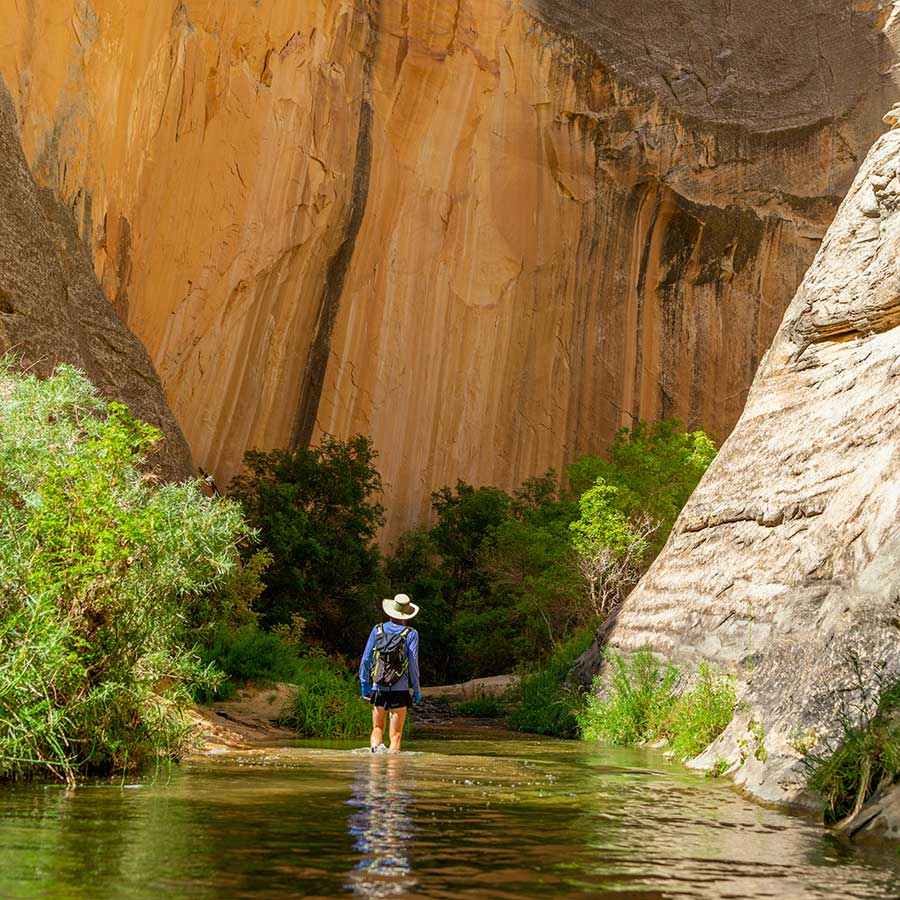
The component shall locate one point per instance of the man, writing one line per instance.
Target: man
(390, 669)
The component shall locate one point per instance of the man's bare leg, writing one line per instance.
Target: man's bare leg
(398, 717)
(379, 717)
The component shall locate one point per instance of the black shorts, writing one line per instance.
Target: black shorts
(391, 699)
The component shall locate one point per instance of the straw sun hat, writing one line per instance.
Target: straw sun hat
(400, 607)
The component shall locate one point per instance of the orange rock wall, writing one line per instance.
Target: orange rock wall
(460, 227)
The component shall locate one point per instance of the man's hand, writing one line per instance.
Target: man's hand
(417, 697)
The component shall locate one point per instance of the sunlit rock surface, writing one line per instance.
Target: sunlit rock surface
(486, 232)
(784, 566)
(52, 310)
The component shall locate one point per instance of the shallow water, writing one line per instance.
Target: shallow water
(460, 816)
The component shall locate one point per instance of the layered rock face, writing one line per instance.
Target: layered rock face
(53, 311)
(784, 566)
(485, 232)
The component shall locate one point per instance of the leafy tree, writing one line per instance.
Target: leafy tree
(415, 568)
(654, 469)
(466, 521)
(611, 548)
(97, 565)
(531, 568)
(628, 510)
(316, 515)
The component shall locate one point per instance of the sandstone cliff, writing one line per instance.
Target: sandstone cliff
(784, 566)
(486, 232)
(52, 309)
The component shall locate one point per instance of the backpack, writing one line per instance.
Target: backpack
(390, 656)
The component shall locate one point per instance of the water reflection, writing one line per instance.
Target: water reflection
(382, 828)
(464, 818)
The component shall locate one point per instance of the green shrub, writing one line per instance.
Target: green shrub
(480, 707)
(504, 576)
(546, 704)
(231, 605)
(328, 702)
(636, 704)
(641, 704)
(864, 759)
(702, 714)
(317, 516)
(248, 654)
(96, 567)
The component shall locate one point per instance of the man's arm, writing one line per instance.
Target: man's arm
(412, 648)
(365, 666)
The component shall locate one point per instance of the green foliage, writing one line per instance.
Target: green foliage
(629, 503)
(328, 702)
(415, 569)
(316, 515)
(485, 638)
(641, 704)
(482, 707)
(504, 577)
(719, 768)
(701, 714)
(466, 521)
(248, 654)
(231, 605)
(654, 467)
(602, 521)
(864, 757)
(546, 704)
(637, 700)
(531, 575)
(496, 565)
(758, 734)
(97, 565)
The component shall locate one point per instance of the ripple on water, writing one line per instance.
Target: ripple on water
(458, 818)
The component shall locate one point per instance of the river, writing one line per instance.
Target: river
(462, 815)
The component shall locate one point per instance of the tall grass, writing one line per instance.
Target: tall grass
(545, 703)
(864, 758)
(328, 702)
(641, 703)
(483, 707)
(701, 714)
(637, 702)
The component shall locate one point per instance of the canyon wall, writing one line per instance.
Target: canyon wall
(52, 310)
(784, 566)
(486, 232)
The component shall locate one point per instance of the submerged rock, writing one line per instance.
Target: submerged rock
(784, 566)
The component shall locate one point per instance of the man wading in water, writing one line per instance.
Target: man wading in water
(389, 669)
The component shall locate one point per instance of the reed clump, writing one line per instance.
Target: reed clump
(327, 703)
(639, 702)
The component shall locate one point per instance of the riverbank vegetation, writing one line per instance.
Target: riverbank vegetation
(500, 576)
(327, 703)
(546, 703)
(97, 567)
(124, 598)
(863, 758)
(640, 702)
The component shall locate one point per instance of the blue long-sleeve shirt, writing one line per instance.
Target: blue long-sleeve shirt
(409, 679)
